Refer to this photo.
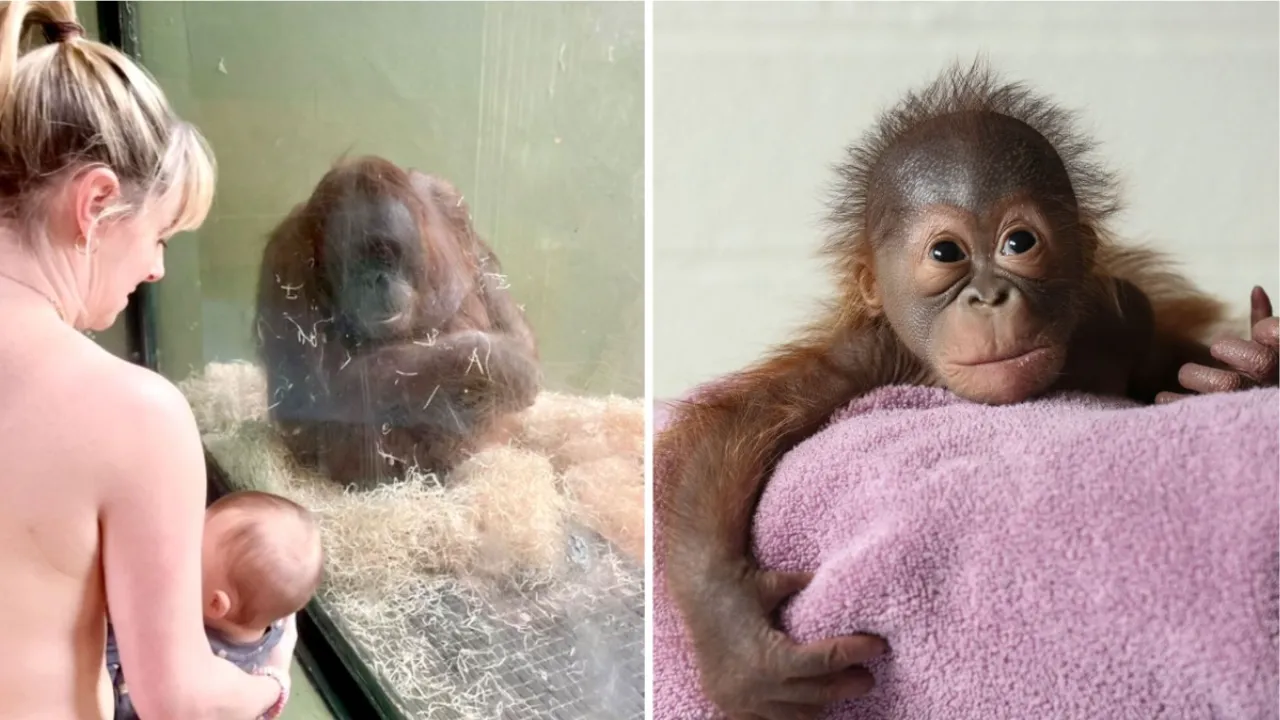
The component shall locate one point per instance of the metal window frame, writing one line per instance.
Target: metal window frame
(346, 684)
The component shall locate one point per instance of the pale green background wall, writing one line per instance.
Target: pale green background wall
(754, 101)
(534, 110)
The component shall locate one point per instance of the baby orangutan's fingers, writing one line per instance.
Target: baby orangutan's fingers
(776, 587)
(822, 691)
(1164, 398)
(1245, 356)
(1267, 332)
(1260, 305)
(1201, 379)
(833, 655)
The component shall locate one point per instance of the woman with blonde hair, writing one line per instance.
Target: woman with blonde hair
(101, 469)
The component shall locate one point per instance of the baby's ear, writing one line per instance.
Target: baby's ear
(218, 606)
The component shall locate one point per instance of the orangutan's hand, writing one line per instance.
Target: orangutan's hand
(1249, 363)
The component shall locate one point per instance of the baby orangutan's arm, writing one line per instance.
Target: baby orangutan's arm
(722, 447)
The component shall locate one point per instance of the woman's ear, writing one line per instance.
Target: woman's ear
(96, 189)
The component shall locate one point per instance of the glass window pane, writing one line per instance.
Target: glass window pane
(484, 535)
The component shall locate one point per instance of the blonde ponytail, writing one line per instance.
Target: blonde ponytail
(74, 102)
(17, 18)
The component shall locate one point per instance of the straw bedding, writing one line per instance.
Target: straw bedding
(514, 590)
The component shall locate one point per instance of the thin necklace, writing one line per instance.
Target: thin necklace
(56, 305)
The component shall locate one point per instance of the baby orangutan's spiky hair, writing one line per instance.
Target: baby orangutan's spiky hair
(976, 89)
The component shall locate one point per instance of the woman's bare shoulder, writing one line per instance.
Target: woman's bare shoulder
(142, 397)
(77, 411)
(145, 430)
(119, 402)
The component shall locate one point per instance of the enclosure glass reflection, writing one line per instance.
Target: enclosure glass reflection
(440, 351)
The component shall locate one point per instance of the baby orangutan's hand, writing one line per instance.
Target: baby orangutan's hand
(1251, 363)
(752, 671)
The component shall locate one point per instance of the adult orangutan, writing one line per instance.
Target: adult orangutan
(384, 324)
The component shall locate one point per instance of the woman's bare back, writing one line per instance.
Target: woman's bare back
(57, 421)
(102, 483)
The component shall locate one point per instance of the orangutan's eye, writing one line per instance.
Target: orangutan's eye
(1018, 242)
(946, 252)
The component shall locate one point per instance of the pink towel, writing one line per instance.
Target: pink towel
(1071, 558)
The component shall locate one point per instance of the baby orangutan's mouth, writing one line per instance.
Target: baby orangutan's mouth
(1011, 357)
(1005, 377)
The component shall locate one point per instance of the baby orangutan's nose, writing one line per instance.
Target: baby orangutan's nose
(986, 293)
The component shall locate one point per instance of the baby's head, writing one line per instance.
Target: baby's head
(262, 561)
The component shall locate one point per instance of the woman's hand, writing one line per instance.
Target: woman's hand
(285, 685)
(277, 663)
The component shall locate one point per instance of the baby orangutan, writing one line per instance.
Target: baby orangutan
(970, 251)
(262, 562)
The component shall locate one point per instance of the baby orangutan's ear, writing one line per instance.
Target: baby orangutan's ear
(868, 288)
(219, 605)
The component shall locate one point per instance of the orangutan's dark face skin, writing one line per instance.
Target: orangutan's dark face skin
(977, 256)
(373, 255)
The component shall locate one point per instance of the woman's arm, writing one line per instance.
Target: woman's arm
(151, 521)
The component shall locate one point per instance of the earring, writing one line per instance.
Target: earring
(82, 246)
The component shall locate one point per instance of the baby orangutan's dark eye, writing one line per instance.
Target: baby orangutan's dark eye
(946, 252)
(1018, 243)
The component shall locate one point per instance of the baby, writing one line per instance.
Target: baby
(262, 562)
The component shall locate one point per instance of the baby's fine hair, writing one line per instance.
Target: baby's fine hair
(274, 555)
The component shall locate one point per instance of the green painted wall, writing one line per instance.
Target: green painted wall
(534, 110)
